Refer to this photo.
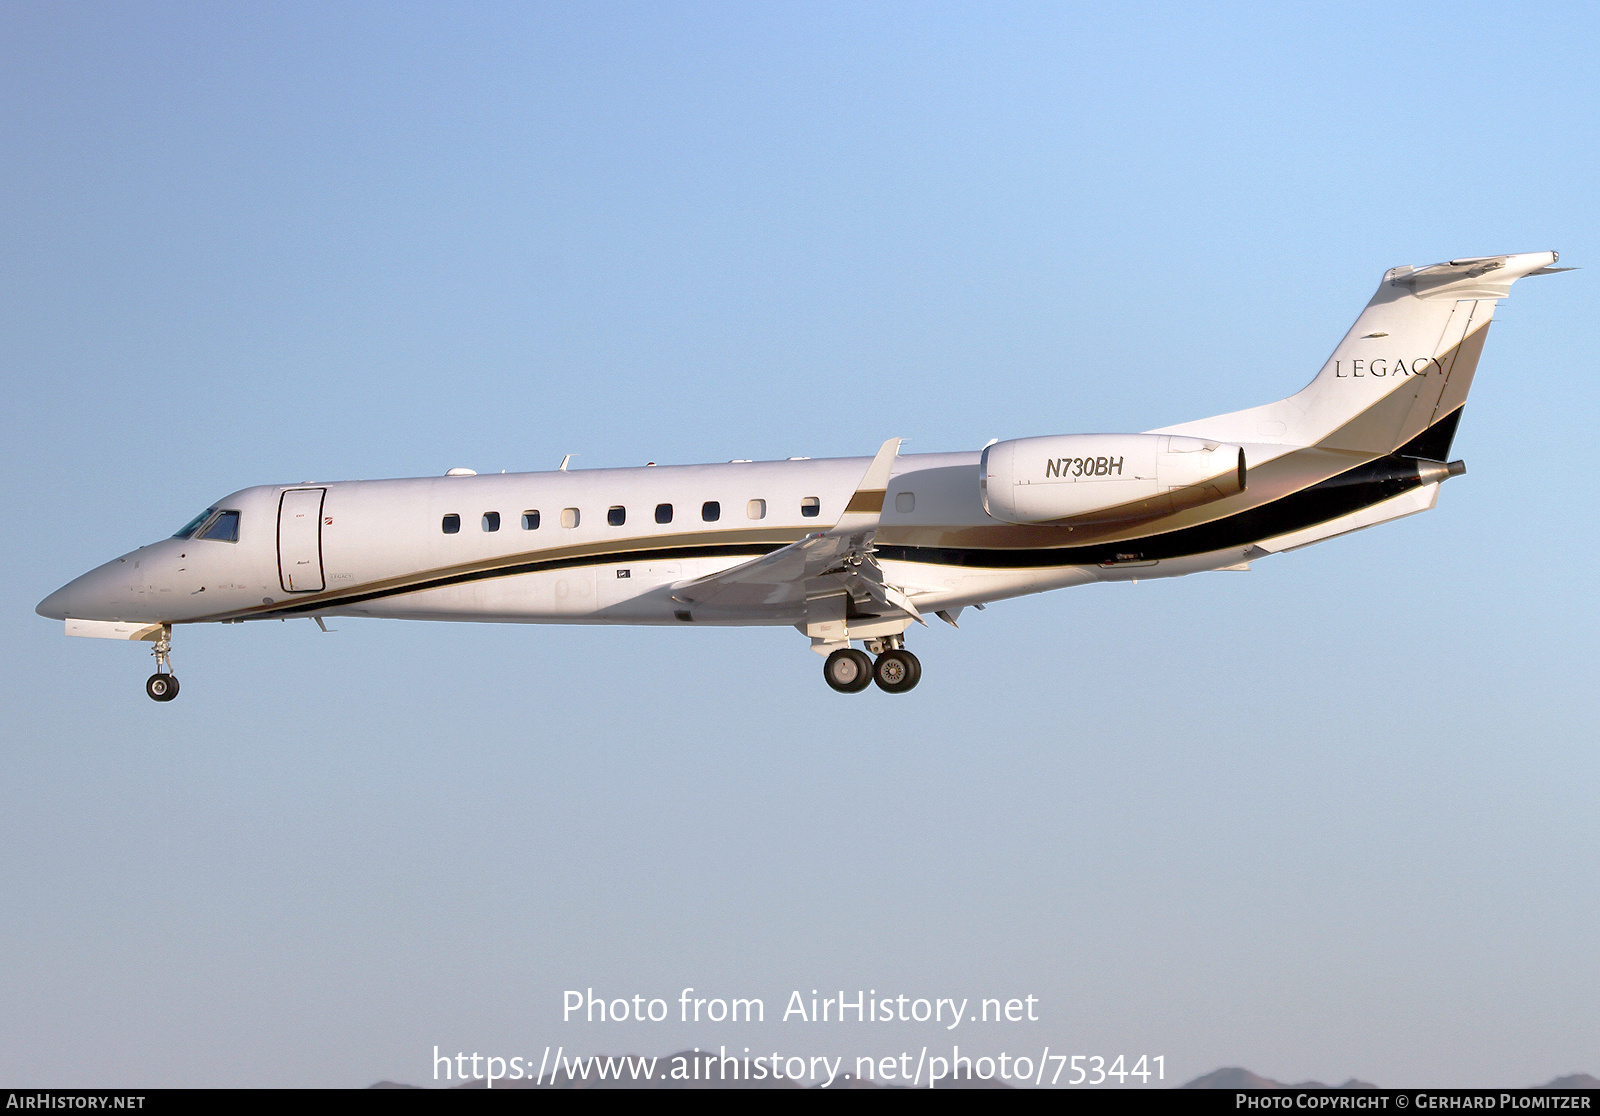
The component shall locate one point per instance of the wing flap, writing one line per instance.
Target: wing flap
(815, 567)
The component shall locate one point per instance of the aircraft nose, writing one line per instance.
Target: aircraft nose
(57, 605)
(104, 593)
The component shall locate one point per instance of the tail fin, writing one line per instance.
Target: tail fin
(1403, 369)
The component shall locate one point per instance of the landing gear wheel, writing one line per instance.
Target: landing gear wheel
(847, 670)
(895, 672)
(162, 687)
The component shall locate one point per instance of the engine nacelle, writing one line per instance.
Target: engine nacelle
(1105, 478)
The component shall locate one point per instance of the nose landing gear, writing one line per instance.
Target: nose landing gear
(163, 684)
(161, 687)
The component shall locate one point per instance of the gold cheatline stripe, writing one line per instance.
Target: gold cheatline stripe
(868, 500)
(599, 552)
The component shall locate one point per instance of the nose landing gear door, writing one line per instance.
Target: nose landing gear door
(300, 540)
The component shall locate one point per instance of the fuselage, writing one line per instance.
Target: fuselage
(607, 545)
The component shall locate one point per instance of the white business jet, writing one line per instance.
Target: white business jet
(850, 550)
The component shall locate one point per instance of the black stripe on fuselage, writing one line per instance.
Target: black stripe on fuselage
(664, 553)
(1339, 495)
(1347, 492)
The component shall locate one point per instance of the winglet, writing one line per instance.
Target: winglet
(866, 505)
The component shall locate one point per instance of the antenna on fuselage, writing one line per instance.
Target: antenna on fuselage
(564, 460)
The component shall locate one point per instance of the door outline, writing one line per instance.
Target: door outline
(283, 575)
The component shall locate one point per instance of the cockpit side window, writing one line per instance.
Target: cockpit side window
(224, 528)
(190, 527)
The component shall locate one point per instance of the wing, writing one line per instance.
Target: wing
(818, 566)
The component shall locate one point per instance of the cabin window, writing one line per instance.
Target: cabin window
(811, 507)
(193, 525)
(663, 513)
(711, 511)
(451, 524)
(569, 517)
(905, 502)
(756, 509)
(530, 521)
(616, 515)
(224, 528)
(491, 521)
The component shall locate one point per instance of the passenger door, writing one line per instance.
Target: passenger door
(300, 540)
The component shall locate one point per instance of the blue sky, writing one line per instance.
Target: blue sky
(1328, 818)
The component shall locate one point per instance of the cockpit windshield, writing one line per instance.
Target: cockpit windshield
(190, 527)
(214, 524)
(224, 528)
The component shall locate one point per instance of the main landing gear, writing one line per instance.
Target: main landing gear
(847, 670)
(896, 670)
(163, 684)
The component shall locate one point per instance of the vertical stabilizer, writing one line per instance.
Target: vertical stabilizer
(1405, 365)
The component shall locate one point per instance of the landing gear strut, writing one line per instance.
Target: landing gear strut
(163, 684)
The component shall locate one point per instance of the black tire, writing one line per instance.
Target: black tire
(847, 670)
(895, 672)
(161, 687)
